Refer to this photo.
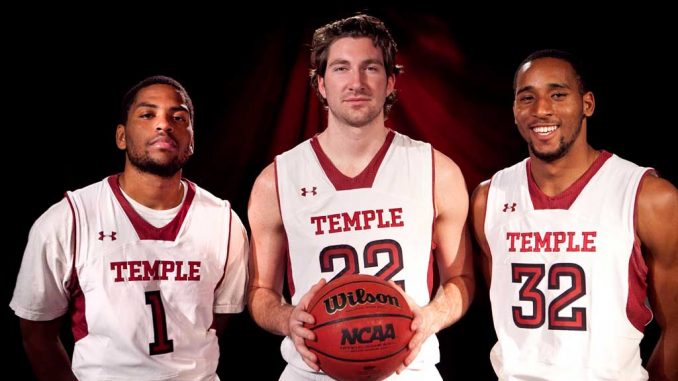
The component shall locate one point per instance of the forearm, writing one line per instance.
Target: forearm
(662, 364)
(269, 310)
(49, 360)
(450, 302)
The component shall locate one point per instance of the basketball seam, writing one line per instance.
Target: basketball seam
(359, 317)
(359, 360)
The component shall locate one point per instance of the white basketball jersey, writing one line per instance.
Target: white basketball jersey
(142, 298)
(377, 223)
(568, 279)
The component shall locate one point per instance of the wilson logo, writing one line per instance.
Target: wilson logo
(338, 302)
(367, 335)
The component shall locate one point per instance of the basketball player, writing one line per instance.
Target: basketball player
(145, 265)
(574, 240)
(358, 198)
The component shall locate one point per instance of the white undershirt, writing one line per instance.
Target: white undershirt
(157, 218)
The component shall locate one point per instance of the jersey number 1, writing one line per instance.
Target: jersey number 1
(529, 292)
(161, 343)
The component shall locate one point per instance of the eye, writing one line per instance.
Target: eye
(339, 68)
(146, 115)
(180, 118)
(525, 98)
(559, 95)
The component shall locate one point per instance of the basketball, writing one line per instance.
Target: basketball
(362, 328)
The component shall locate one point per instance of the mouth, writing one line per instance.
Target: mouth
(544, 130)
(163, 142)
(356, 99)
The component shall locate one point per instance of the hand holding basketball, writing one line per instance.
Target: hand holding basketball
(298, 320)
(362, 328)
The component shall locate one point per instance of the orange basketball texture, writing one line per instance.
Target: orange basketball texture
(362, 328)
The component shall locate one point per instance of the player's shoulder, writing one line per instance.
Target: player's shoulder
(481, 191)
(56, 217)
(445, 166)
(656, 193)
(206, 197)
(94, 189)
(299, 151)
(267, 178)
(479, 198)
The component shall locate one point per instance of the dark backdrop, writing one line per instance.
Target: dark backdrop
(66, 76)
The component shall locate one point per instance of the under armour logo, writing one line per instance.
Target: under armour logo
(111, 236)
(313, 191)
(507, 207)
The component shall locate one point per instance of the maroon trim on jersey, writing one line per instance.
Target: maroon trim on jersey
(79, 325)
(637, 312)
(363, 180)
(77, 306)
(228, 246)
(433, 277)
(565, 199)
(433, 184)
(145, 230)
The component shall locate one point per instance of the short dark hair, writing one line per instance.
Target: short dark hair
(360, 25)
(131, 94)
(566, 56)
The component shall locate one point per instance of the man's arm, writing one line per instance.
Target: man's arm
(657, 222)
(267, 256)
(477, 218)
(267, 269)
(45, 351)
(452, 251)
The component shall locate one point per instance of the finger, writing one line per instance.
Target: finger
(416, 340)
(312, 364)
(309, 295)
(302, 316)
(302, 333)
(411, 356)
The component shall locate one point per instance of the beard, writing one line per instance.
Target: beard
(145, 163)
(563, 147)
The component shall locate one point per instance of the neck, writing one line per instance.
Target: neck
(556, 176)
(352, 148)
(150, 190)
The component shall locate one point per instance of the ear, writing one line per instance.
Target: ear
(191, 148)
(390, 84)
(321, 86)
(120, 137)
(589, 102)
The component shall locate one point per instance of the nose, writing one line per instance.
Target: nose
(357, 82)
(542, 107)
(164, 123)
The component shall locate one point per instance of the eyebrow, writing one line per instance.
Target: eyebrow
(369, 61)
(551, 86)
(183, 107)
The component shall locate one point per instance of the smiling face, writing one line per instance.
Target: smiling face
(355, 83)
(549, 109)
(158, 134)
